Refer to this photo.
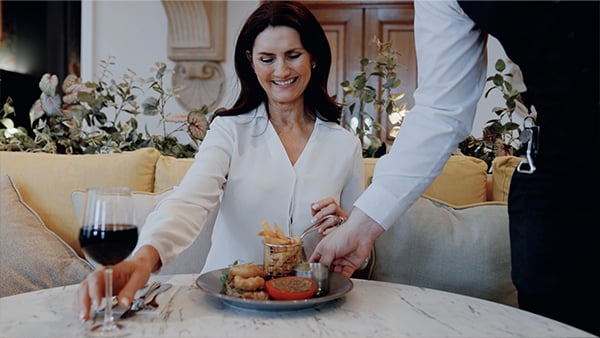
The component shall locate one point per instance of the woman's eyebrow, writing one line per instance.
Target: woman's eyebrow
(292, 50)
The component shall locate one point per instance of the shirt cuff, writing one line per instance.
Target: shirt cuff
(381, 205)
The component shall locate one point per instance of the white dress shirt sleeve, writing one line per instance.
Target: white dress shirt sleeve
(452, 61)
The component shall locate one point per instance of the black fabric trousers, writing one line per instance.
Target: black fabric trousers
(555, 241)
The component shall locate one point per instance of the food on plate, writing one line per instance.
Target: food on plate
(247, 281)
(281, 252)
(291, 288)
(276, 236)
(247, 270)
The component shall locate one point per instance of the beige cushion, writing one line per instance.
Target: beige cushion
(503, 168)
(47, 180)
(32, 256)
(464, 250)
(170, 171)
(463, 181)
(190, 260)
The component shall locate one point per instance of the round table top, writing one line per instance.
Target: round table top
(370, 308)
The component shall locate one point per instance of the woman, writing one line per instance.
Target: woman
(279, 155)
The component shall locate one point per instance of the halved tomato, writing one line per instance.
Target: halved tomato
(291, 288)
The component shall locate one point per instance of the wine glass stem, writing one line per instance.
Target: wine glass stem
(109, 320)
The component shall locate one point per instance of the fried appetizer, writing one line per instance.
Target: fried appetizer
(248, 283)
(245, 281)
(247, 270)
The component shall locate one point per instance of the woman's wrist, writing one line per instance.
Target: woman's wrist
(148, 256)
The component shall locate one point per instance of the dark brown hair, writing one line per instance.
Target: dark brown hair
(298, 17)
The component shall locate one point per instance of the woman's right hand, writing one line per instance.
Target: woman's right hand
(128, 276)
(328, 214)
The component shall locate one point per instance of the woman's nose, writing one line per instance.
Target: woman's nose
(281, 68)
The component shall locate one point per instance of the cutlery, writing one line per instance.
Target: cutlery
(115, 302)
(138, 302)
(315, 225)
(146, 303)
(310, 229)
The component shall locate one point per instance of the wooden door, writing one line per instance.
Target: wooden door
(351, 24)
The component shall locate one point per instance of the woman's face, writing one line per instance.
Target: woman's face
(281, 64)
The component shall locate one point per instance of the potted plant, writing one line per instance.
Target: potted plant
(373, 89)
(500, 136)
(78, 122)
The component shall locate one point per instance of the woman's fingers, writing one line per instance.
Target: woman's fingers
(326, 203)
(89, 294)
(82, 302)
(327, 214)
(133, 282)
(95, 286)
(324, 207)
(329, 222)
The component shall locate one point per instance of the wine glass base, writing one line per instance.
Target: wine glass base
(115, 330)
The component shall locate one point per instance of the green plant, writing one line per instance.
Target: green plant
(361, 96)
(500, 136)
(79, 123)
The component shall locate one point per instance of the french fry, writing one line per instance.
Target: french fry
(279, 232)
(276, 236)
(275, 240)
(281, 252)
(267, 230)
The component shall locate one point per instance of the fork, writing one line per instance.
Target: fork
(146, 303)
(315, 226)
(312, 228)
(139, 302)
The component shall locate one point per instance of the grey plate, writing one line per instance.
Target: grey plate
(210, 283)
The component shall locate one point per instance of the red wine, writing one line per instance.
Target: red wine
(110, 245)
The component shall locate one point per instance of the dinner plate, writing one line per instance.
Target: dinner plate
(210, 282)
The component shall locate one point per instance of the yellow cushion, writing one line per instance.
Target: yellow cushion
(46, 181)
(503, 168)
(369, 165)
(170, 171)
(462, 181)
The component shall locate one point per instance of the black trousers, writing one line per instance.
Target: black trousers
(555, 241)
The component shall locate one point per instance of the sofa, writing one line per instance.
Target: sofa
(454, 238)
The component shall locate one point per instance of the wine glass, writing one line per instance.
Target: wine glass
(108, 235)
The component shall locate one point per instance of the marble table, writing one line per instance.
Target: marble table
(370, 309)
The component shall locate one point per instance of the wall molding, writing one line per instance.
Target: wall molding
(196, 43)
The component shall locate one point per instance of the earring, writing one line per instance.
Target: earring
(314, 65)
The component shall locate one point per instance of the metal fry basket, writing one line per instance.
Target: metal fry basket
(279, 260)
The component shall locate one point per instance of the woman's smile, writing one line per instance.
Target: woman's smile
(285, 82)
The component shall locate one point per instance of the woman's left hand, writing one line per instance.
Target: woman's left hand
(327, 207)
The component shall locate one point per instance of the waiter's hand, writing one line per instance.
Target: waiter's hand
(346, 248)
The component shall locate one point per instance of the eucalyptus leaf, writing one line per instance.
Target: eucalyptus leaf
(500, 136)
(372, 91)
(93, 123)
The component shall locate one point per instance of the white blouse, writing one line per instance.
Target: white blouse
(243, 169)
